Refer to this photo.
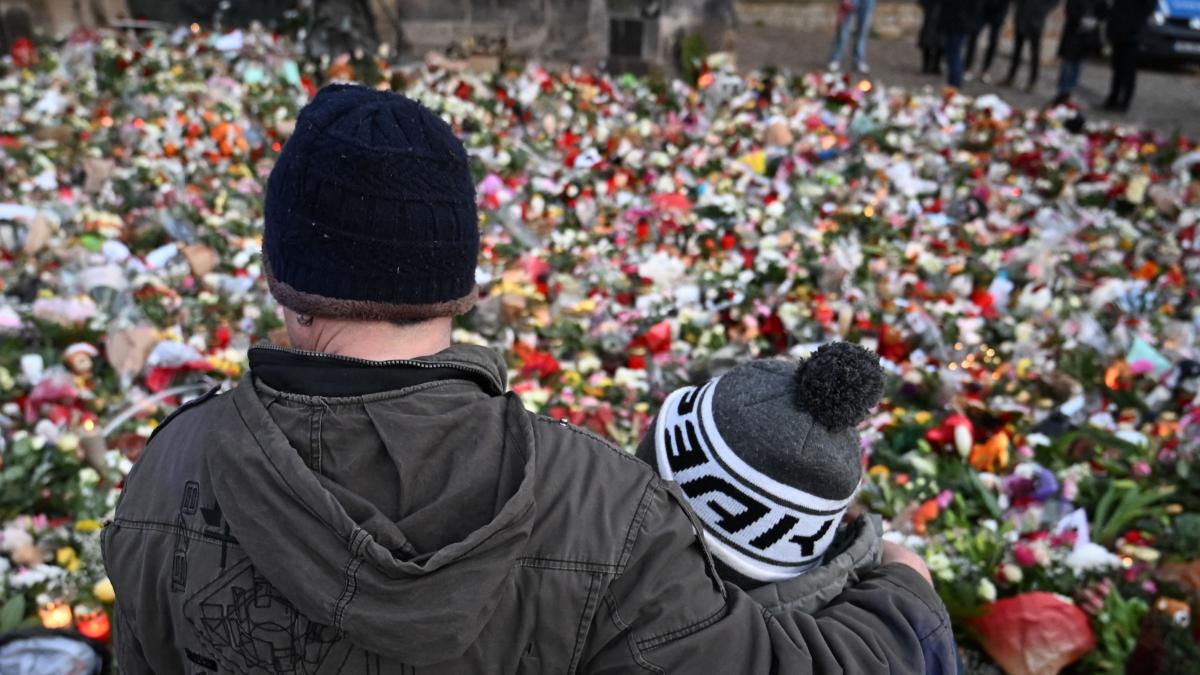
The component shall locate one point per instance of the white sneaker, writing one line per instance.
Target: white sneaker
(968, 76)
(835, 66)
(863, 68)
(986, 78)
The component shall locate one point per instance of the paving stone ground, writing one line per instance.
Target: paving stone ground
(1167, 99)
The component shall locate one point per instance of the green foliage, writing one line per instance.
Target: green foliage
(1180, 652)
(45, 479)
(1104, 449)
(985, 549)
(12, 613)
(1117, 627)
(1183, 537)
(1083, 365)
(692, 52)
(972, 500)
(1123, 504)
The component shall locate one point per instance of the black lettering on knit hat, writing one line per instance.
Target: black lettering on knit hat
(772, 536)
(808, 541)
(730, 522)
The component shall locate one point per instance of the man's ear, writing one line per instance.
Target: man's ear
(299, 335)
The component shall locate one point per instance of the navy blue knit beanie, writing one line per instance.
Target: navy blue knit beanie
(370, 212)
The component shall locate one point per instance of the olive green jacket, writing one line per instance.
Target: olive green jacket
(442, 528)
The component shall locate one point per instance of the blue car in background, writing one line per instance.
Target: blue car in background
(1174, 32)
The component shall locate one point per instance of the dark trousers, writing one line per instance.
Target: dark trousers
(955, 42)
(1124, 74)
(993, 38)
(1068, 77)
(1035, 54)
(931, 61)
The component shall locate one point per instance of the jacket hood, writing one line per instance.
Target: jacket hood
(336, 568)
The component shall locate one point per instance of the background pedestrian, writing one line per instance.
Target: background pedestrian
(1126, 21)
(1072, 47)
(931, 41)
(860, 12)
(1030, 23)
(959, 18)
(993, 15)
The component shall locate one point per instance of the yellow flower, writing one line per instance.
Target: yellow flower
(923, 417)
(68, 558)
(899, 412)
(1023, 367)
(103, 590)
(756, 161)
(585, 306)
(880, 471)
(87, 526)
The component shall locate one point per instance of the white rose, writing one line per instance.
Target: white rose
(1012, 573)
(986, 590)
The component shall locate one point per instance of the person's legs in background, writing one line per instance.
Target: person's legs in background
(1130, 77)
(1129, 64)
(1015, 64)
(955, 42)
(864, 12)
(993, 29)
(839, 43)
(972, 45)
(931, 61)
(1035, 60)
(1114, 80)
(1120, 92)
(1068, 79)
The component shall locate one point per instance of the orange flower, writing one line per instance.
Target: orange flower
(928, 511)
(991, 455)
(880, 471)
(1147, 271)
(1114, 374)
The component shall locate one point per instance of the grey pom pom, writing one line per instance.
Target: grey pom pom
(839, 385)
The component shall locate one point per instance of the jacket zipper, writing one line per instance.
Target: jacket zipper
(394, 362)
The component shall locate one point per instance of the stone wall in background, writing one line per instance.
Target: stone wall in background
(627, 34)
(892, 19)
(56, 17)
(633, 33)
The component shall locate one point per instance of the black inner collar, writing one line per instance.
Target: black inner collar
(324, 375)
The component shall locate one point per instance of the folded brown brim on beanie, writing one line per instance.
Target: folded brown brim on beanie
(363, 310)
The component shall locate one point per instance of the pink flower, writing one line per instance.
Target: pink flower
(1070, 489)
(1024, 555)
(1142, 469)
(1067, 539)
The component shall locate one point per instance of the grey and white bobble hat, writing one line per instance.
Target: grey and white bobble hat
(768, 455)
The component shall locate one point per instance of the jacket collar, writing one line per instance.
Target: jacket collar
(480, 364)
